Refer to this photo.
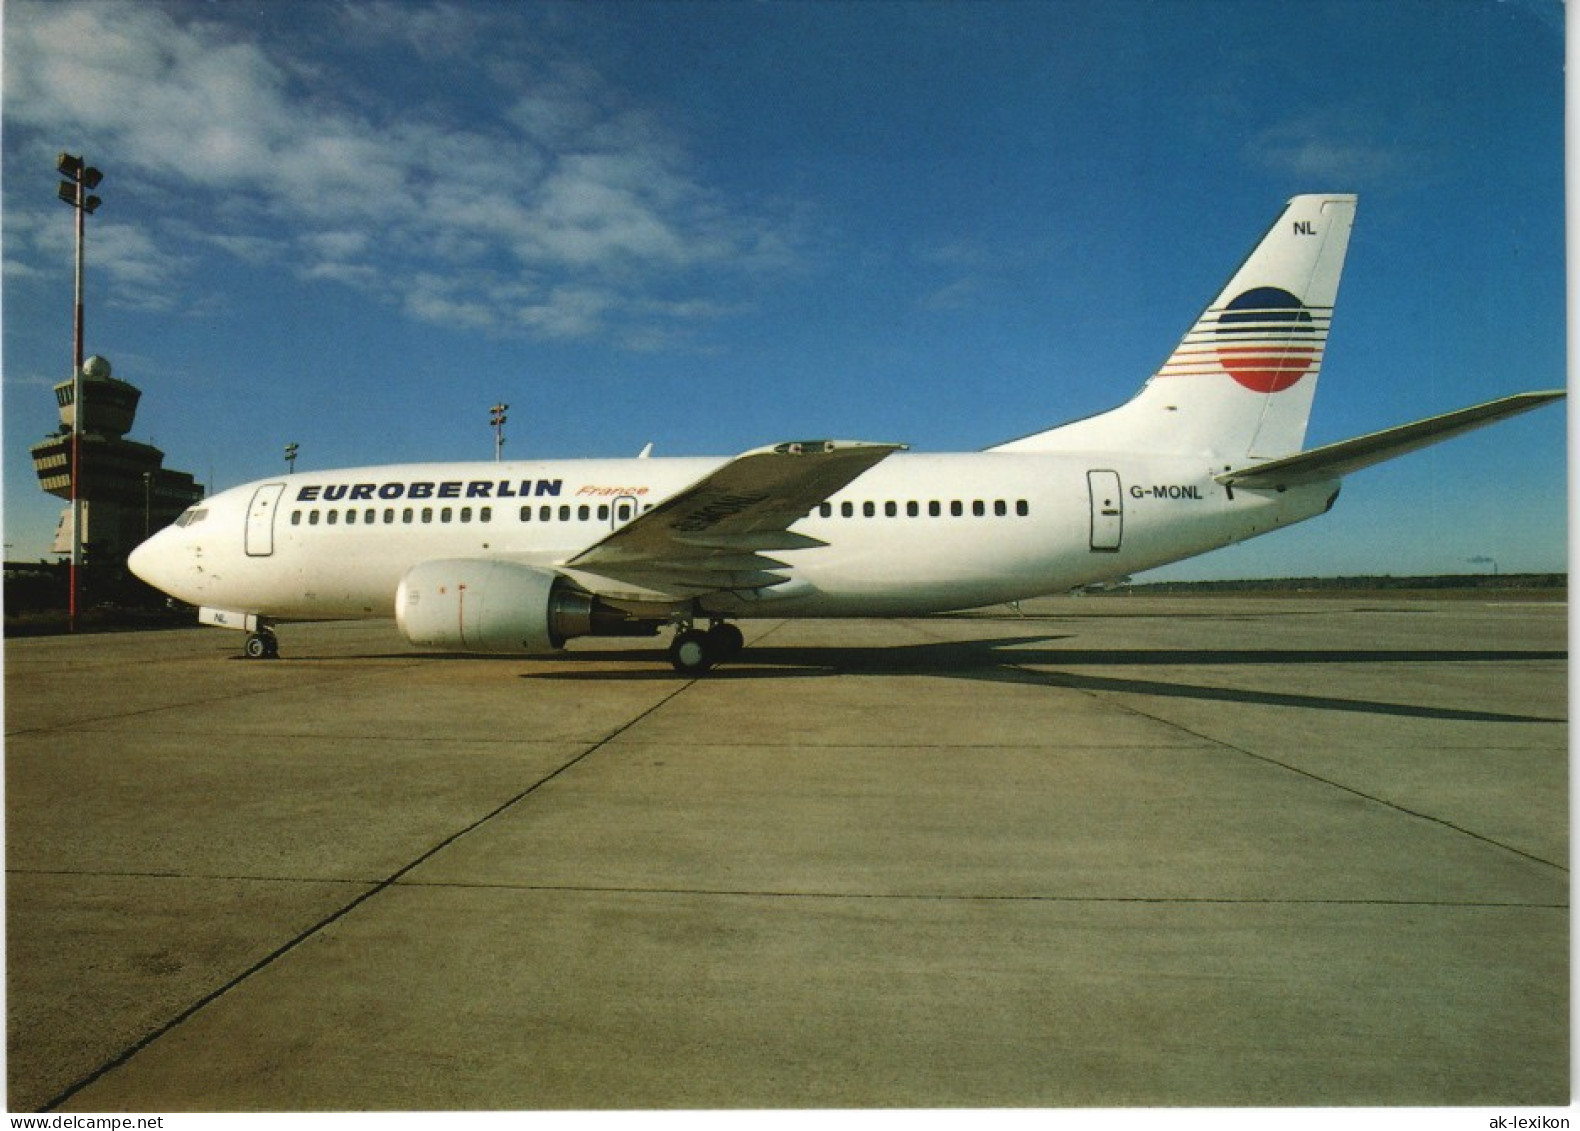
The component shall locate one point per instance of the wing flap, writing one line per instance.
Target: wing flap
(675, 581)
(1332, 461)
(713, 563)
(712, 535)
(755, 541)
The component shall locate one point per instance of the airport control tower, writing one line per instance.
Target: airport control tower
(126, 492)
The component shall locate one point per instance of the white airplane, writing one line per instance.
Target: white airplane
(519, 557)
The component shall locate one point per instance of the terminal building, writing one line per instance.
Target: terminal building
(126, 492)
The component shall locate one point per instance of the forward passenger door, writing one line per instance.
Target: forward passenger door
(260, 519)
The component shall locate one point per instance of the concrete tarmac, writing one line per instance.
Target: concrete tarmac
(1120, 851)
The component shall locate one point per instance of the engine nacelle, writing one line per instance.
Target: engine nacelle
(476, 605)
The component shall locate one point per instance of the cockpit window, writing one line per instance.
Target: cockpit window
(191, 515)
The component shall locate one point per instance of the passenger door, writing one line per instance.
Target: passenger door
(1108, 511)
(260, 519)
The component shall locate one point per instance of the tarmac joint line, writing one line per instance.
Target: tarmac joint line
(1360, 793)
(374, 889)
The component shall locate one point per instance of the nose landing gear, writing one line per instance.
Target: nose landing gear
(261, 645)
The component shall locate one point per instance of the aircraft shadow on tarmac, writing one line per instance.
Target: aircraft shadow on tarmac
(1020, 659)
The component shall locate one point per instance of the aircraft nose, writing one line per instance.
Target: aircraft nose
(151, 562)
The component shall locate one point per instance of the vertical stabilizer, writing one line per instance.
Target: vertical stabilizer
(1240, 383)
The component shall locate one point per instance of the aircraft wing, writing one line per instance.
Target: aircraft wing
(1334, 460)
(715, 534)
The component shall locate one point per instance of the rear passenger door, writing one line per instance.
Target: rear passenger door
(1108, 511)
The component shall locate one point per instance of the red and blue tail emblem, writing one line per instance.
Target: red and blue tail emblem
(1265, 338)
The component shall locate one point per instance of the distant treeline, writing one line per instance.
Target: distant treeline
(33, 587)
(1500, 581)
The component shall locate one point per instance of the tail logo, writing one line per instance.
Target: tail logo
(1268, 340)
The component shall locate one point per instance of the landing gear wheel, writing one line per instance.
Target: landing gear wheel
(726, 641)
(261, 646)
(691, 652)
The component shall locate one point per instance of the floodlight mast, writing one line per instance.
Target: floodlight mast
(496, 417)
(80, 177)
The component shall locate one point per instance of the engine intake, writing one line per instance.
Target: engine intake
(475, 605)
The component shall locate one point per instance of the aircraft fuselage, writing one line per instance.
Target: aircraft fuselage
(916, 534)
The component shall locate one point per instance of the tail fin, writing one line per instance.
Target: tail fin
(1241, 382)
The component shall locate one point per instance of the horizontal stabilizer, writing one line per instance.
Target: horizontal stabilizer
(1335, 460)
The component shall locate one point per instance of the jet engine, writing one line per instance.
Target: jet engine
(476, 605)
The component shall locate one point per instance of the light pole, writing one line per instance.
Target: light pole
(290, 458)
(496, 417)
(80, 177)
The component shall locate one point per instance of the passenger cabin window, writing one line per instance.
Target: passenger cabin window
(979, 508)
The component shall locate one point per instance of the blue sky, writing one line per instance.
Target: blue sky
(712, 226)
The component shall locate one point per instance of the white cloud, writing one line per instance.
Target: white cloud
(144, 274)
(336, 244)
(249, 249)
(582, 218)
(428, 305)
(351, 274)
(432, 31)
(1333, 149)
(567, 177)
(169, 98)
(568, 312)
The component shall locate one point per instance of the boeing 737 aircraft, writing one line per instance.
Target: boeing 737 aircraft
(519, 557)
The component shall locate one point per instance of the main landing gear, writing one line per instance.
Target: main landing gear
(693, 652)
